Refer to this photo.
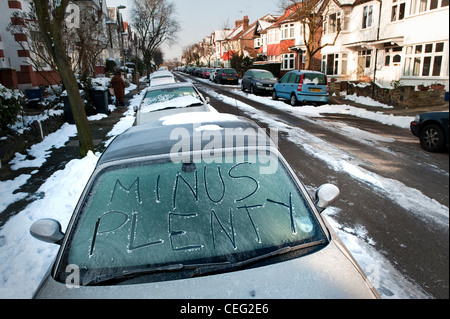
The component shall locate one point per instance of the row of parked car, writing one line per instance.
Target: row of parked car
(297, 86)
(176, 208)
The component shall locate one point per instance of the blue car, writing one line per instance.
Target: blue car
(302, 86)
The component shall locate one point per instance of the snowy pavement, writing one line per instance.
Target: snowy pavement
(25, 259)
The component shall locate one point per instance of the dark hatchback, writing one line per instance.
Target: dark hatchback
(432, 130)
(226, 76)
(258, 81)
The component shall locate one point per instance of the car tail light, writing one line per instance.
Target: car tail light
(326, 83)
(224, 74)
(236, 75)
(300, 83)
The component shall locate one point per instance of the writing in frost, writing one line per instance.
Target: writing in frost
(208, 206)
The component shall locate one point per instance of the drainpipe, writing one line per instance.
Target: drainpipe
(376, 49)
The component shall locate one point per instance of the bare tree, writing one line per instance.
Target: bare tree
(311, 15)
(51, 20)
(155, 24)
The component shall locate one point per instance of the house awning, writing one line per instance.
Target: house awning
(374, 44)
(399, 41)
(298, 48)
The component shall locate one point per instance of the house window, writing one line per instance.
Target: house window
(398, 10)
(424, 59)
(288, 61)
(273, 36)
(419, 6)
(365, 56)
(332, 23)
(331, 63)
(367, 16)
(287, 31)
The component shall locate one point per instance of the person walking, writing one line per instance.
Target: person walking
(118, 85)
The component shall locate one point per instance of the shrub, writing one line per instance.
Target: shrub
(10, 106)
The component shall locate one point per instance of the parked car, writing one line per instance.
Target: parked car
(174, 218)
(206, 72)
(161, 76)
(180, 97)
(197, 72)
(432, 130)
(190, 70)
(212, 75)
(226, 76)
(302, 86)
(258, 81)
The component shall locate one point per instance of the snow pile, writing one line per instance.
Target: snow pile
(25, 259)
(196, 117)
(151, 105)
(41, 151)
(367, 101)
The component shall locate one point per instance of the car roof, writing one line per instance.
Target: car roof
(306, 71)
(160, 73)
(153, 138)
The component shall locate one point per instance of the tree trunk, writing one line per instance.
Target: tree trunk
(51, 30)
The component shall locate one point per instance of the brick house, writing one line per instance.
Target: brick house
(240, 40)
(282, 42)
(16, 67)
(16, 71)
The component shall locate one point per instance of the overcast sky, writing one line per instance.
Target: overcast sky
(199, 18)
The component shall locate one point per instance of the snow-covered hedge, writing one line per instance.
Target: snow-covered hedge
(10, 105)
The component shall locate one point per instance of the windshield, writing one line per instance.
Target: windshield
(263, 75)
(155, 214)
(169, 97)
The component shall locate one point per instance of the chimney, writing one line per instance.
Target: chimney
(237, 23)
(246, 22)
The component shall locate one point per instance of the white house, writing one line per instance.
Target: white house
(387, 40)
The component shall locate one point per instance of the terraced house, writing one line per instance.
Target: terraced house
(388, 41)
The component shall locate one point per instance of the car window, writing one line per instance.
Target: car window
(229, 71)
(315, 78)
(285, 78)
(295, 78)
(263, 75)
(158, 213)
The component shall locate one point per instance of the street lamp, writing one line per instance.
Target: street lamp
(120, 33)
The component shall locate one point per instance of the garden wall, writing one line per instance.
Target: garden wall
(403, 96)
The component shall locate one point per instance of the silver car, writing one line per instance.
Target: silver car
(214, 211)
(170, 99)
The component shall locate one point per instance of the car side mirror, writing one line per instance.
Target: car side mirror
(47, 230)
(207, 99)
(325, 195)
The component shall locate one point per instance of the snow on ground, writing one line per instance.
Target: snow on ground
(31, 258)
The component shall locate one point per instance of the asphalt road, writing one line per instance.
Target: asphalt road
(416, 246)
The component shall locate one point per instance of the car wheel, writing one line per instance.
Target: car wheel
(432, 138)
(252, 89)
(274, 95)
(294, 101)
(242, 87)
